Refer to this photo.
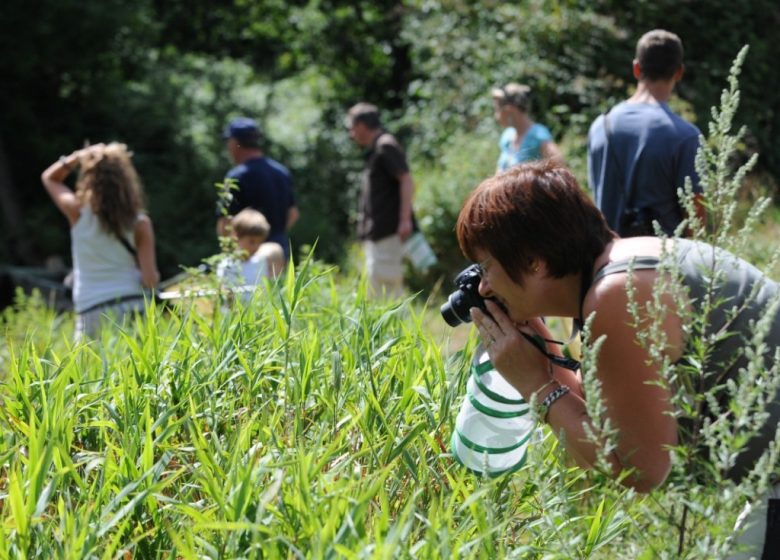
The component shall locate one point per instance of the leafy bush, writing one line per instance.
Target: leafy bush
(441, 187)
(314, 421)
(461, 50)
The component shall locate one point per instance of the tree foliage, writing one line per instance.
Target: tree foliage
(165, 76)
(713, 32)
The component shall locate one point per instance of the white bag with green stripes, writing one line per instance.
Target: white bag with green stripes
(494, 425)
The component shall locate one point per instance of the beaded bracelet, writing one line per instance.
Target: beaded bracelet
(553, 396)
(542, 388)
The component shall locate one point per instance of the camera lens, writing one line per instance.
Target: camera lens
(456, 309)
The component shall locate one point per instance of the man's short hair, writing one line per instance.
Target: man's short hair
(245, 131)
(365, 113)
(660, 54)
(250, 222)
(515, 94)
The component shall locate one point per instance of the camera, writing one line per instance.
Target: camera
(636, 222)
(456, 309)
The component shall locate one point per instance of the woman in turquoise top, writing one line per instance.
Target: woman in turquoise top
(523, 139)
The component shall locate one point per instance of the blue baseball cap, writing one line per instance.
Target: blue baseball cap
(243, 129)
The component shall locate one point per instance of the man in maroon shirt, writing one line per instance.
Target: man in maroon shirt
(386, 219)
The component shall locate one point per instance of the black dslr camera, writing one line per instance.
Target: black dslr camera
(456, 309)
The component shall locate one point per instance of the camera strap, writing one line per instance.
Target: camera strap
(562, 361)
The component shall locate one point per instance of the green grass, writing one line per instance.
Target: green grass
(312, 423)
(309, 424)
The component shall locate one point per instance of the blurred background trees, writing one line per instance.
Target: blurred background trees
(164, 77)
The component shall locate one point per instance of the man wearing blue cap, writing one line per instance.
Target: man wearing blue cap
(263, 183)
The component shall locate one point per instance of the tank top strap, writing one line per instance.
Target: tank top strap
(634, 263)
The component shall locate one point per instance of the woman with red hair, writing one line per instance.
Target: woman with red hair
(674, 320)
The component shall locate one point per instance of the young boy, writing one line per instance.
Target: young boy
(259, 258)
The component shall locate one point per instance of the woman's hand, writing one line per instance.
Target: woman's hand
(88, 150)
(511, 354)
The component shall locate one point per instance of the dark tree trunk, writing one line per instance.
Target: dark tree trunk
(17, 239)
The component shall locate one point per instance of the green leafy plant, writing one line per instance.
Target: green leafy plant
(313, 422)
(718, 416)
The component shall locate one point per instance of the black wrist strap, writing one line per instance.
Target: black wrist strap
(562, 361)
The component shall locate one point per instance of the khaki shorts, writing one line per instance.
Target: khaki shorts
(89, 322)
(384, 266)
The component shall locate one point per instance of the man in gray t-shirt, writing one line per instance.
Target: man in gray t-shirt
(640, 152)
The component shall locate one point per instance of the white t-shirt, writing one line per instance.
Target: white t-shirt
(235, 273)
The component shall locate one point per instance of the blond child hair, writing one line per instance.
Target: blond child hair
(250, 222)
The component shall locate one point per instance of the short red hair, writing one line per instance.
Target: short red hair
(533, 211)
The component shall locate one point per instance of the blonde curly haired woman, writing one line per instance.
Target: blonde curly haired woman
(112, 238)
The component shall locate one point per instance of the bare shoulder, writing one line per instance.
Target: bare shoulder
(609, 297)
(625, 304)
(143, 227)
(274, 255)
(613, 288)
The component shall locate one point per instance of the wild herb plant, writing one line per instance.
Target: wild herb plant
(718, 416)
(313, 422)
(224, 192)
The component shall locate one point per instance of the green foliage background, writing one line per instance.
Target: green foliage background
(314, 422)
(164, 77)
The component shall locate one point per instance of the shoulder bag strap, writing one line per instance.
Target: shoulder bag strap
(130, 249)
(629, 187)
